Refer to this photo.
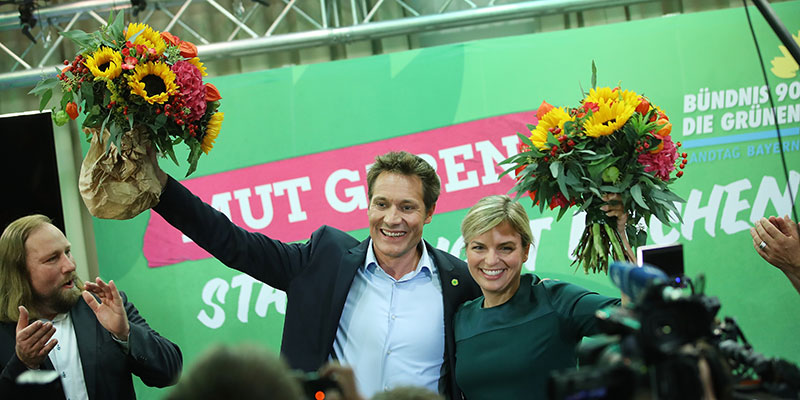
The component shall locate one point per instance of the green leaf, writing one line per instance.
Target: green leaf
(612, 189)
(116, 134)
(562, 185)
(44, 85)
(636, 192)
(586, 204)
(667, 195)
(103, 126)
(160, 120)
(194, 155)
(115, 28)
(561, 212)
(556, 168)
(87, 92)
(45, 99)
(66, 99)
(594, 75)
(171, 154)
(525, 139)
(80, 38)
(93, 118)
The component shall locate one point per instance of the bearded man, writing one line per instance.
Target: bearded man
(94, 343)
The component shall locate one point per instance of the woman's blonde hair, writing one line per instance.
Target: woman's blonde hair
(490, 211)
(15, 286)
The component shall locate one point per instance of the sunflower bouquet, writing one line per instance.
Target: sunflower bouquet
(139, 89)
(614, 142)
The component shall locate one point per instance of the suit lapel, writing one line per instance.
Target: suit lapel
(85, 324)
(449, 283)
(348, 265)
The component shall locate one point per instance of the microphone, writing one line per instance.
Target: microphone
(635, 281)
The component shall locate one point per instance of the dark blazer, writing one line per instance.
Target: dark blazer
(106, 368)
(316, 276)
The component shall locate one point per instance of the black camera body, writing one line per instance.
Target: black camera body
(670, 345)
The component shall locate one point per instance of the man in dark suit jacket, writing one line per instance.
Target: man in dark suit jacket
(100, 341)
(344, 296)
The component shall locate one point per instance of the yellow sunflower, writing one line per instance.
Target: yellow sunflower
(608, 118)
(212, 131)
(629, 97)
(196, 62)
(148, 38)
(554, 118)
(153, 81)
(105, 63)
(601, 95)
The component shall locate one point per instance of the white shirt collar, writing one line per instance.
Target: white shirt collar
(425, 263)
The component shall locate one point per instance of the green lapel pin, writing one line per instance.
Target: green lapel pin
(454, 282)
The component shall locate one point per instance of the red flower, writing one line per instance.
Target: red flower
(130, 63)
(589, 106)
(560, 201)
(212, 93)
(544, 108)
(72, 110)
(644, 106)
(170, 38)
(188, 50)
(661, 163)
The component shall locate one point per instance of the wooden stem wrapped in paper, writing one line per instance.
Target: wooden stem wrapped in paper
(144, 91)
(118, 182)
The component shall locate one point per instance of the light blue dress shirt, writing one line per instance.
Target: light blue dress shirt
(391, 332)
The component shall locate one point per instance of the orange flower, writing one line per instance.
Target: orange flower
(666, 129)
(72, 110)
(543, 109)
(212, 94)
(170, 38)
(644, 106)
(188, 50)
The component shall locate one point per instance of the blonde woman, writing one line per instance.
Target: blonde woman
(522, 328)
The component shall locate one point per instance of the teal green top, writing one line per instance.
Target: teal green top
(508, 351)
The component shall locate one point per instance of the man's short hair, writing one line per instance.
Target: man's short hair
(15, 282)
(401, 162)
(246, 372)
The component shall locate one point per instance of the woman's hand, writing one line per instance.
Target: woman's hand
(614, 208)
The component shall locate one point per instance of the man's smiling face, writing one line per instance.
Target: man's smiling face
(396, 217)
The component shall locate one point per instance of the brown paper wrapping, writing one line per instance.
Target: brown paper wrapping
(120, 183)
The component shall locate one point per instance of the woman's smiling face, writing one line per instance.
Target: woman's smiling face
(495, 260)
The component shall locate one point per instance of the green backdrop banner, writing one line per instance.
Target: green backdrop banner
(701, 69)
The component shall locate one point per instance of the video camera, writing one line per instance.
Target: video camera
(670, 345)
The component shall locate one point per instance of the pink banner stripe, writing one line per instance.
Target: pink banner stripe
(289, 199)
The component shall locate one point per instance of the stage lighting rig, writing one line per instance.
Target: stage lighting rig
(26, 18)
(137, 6)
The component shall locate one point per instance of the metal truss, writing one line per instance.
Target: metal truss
(244, 27)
